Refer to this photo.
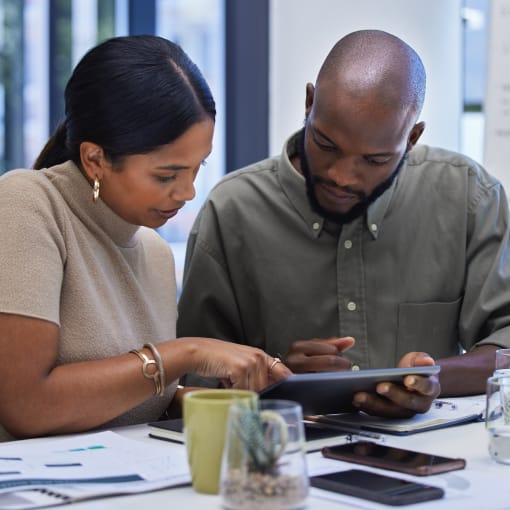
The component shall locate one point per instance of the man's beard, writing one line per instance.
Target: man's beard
(364, 200)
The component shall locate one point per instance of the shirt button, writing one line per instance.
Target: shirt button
(355, 367)
(316, 226)
(373, 227)
(348, 244)
(351, 306)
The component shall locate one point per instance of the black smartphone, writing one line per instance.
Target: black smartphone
(390, 457)
(376, 487)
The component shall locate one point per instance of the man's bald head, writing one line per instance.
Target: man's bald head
(378, 66)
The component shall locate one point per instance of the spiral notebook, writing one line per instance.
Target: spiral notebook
(443, 413)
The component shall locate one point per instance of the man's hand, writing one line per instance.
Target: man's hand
(319, 355)
(394, 401)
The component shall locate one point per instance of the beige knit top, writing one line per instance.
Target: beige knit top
(109, 285)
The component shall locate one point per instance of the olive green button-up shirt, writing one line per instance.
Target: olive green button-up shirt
(426, 269)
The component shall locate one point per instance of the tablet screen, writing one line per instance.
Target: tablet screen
(331, 392)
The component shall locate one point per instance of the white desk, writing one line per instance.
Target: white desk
(483, 485)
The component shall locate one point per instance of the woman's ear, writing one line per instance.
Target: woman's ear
(93, 160)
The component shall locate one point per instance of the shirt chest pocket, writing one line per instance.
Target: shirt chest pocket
(429, 327)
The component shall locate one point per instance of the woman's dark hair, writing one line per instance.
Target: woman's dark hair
(129, 95)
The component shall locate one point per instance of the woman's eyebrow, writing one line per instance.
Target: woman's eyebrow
(172, 167)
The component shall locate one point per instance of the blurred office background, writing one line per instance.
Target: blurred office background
(257, 56)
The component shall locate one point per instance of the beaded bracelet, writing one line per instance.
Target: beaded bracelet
(158, 376)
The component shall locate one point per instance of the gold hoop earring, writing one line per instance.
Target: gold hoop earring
(95, 191)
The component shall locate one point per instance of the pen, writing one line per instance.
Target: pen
(352, 436)
(438, 404)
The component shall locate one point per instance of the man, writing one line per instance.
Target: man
(356, 248)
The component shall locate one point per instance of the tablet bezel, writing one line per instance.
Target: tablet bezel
(331, 392)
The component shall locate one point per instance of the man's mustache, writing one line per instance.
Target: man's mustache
(344, 189)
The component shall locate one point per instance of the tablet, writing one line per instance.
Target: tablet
(332, 392)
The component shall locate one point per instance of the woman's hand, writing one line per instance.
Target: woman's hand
(238, 366)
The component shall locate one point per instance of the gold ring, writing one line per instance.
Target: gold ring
(274, 363)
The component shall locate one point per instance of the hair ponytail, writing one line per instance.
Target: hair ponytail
(55, 151)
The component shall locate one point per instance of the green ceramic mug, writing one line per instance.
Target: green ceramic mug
(205, 414)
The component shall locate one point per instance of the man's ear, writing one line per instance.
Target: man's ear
(415, 135)
(93, 160)
(310, 90)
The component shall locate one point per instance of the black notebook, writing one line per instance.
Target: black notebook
(316, 435)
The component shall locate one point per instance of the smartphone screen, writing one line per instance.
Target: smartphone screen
(376, 487)
(396, 459)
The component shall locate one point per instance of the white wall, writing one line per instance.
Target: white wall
(302, 32)
(497, 103)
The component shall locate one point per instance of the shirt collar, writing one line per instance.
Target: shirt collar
(77, 192)
(377, 210)
(294, 186)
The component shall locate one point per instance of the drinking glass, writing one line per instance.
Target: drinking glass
(264, 462)
(502, 365)
(497, 417)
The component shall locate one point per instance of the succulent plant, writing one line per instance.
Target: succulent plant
(263, 435)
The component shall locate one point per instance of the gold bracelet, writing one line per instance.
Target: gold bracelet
(161, 368)
(147, 362)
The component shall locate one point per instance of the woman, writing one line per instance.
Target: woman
(88, 293)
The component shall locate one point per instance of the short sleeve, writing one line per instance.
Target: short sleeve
(32, 247)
